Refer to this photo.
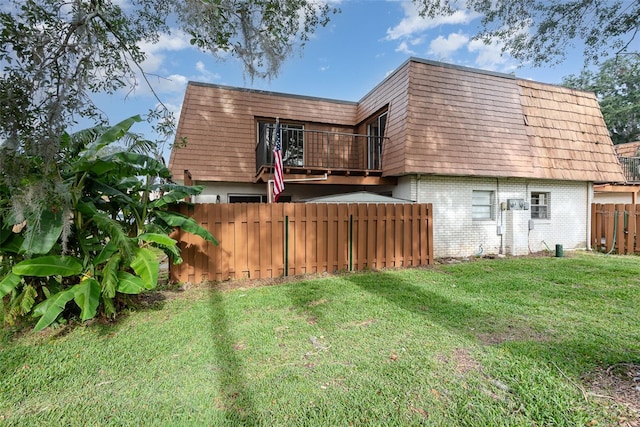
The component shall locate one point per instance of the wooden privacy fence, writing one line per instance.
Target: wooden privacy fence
(259, 240)
(615, 228)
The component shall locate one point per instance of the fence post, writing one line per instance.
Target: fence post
(351, 242)
(286, 245)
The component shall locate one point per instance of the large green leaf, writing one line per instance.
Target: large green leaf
(50, 309)
(129, 284)
(177, 193)
(87, 296)
(9, 283)
(110, 135)
(12, 244)
(165, 242)
(102, 188)
(43, 233)
(108, 226)
(52, 265)
(187, 224)
(110, 276)
(158, 238)
(137, 164)
(146, 266)
(107, 251)
(5, 231)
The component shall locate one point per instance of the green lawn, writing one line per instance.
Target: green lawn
(532, 341)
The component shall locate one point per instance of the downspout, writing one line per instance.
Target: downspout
(589, 202)
(499, 217)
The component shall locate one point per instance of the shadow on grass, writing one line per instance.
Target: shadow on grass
(455, 316)
(578, 352)
(235, 398)
(310, 300)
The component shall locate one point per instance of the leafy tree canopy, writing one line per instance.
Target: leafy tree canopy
(55, 53)
(542, 31)
(617, 86)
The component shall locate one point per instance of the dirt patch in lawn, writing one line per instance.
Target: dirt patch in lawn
(619, 384)
(461, 360)
(513, 333)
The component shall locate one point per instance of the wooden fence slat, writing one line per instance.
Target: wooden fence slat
(636, 212)
(630, 229)
(323, 230)
(342, 237)
(380, 236)
(620, 246)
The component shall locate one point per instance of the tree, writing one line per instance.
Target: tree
(99, 248)
(76, 219)
(617, 86)
(55, 53)
(541, 31)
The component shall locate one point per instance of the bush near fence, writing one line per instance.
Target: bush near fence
(615, 227)
(259, 240)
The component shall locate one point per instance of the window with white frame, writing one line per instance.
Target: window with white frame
(482, 205)
(540, 208)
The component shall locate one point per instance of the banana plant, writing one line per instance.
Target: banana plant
(104, 243)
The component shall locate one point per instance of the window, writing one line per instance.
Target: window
(540, 205)
(255, 198)
(247, 198)
(292, 139)
(482, 205)
(375, 133)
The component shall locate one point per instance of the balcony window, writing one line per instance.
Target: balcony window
(291, 138)
(375, 135)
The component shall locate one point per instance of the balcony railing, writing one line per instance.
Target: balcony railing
(631, 168)
(312, 149)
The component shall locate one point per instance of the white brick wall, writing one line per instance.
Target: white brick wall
(457, 235)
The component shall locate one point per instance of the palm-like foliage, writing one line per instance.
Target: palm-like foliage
(102, 246)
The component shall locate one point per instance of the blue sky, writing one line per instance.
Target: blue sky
(344, 60)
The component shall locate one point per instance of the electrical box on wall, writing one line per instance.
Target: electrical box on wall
(515, 204)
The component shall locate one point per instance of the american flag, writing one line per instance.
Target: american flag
(278, 178)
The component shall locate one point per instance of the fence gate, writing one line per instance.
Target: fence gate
(615, 227)
(260, 240)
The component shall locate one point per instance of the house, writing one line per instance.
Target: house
(508, 164)
(627, 192)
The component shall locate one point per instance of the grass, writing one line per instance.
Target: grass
(512, 342)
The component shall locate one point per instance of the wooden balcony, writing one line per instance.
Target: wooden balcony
(311, 153)
(631, 169)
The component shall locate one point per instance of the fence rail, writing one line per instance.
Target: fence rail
(615, 228)
(259, 240)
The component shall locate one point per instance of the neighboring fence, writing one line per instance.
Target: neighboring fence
(259, 240)
(615, 228)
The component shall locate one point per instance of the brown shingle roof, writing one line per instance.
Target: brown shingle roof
(567, 134)
(443, 119)
(628, 149)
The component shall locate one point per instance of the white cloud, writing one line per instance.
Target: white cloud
(489, 56)
(176, 41)
(175, 83)
(444, 47)
(413, 24)
(205, 75)
(404, 48)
